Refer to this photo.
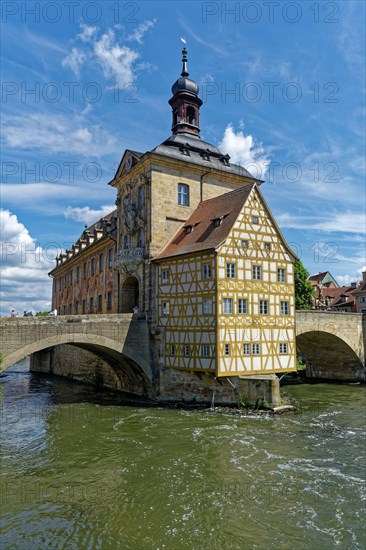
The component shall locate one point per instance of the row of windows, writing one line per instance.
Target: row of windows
(248, 349)
(227, 306)
(231, 273)
(228, 309)
(68, 310)
(68, 278)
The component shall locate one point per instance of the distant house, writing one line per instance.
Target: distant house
(324, 278)
(351, 299)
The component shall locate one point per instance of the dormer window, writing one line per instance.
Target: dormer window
(185, 150)
(225, 159)
(188, 229)
(206, 155)
(217, 222)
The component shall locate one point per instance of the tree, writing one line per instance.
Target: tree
(303, 290)
(42, 313)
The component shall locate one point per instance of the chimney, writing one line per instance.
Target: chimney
(364, 276)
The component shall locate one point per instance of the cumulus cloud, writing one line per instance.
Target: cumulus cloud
(24, 267)
(245, 151)
(116, 60)
(344, 222)
(58, 134)
(86, 214)
(346, 280)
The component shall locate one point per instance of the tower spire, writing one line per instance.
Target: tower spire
(185, 102)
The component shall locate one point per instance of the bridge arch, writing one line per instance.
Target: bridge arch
(330, 356)
(132, 371)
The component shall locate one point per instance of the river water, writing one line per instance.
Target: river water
(80, 470)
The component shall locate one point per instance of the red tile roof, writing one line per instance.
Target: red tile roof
(204, 235)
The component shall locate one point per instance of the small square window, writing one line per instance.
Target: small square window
(227, 305)
(255, 219)
(206, 271)
(255, 349)
(257, 272)
(172, 349)
(165, 276)
(283, 348)
(227, 349)
(244, 244)
(187, 350)
(246, 349)
(284, 308)
(217, 222)
(263, 307)
(242, 306)
(205, 350)
(267, 246)
(281, 275)
(230, 271)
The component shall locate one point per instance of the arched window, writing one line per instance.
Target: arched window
(191, 116)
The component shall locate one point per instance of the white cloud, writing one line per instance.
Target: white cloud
(343, 222)
(346, 280)
(24, 267)
(75, 59)
(57, 134)
(117, 60)
(245, 151)
(86, 214)
(138, 34)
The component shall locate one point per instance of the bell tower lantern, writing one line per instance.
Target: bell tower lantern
(185, 103)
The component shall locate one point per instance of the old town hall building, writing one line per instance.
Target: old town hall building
(194, 248)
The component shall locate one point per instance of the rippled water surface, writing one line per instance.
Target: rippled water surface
(79, 470)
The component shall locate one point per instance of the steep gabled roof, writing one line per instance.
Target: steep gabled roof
(204, 235)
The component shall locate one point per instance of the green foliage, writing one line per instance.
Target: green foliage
(242, 401)
(42, 313)
(300, 364)
(303, 290)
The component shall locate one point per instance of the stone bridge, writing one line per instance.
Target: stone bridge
(333, 344)
(119, 345)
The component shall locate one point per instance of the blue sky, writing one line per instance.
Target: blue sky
(283, 91)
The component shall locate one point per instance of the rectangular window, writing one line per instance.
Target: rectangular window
(141, 195)
(77, 274)
(207, 306)
(84, 270)
(83, 307)
(206, 271)
(187, 350)
(183, 194)
(71, 277)
(65, 281)
(267, 246)
(255, 219)
(257, 272)
(101, 262)
(362, 299)
(172, 349)
(263, 307)
(255, 349)
(110, 257)
(281, 275)
(109, 301)
(230, 271)
(284, 308)
(242, 305)
(246, 349)
(60, 283)
(205, 351)
(227, 305)
(126, 242)
(244, 244)
(92, 266)
(165, 276)
(165, 308)
(64, 310)
(283, 348)
(100, 302)
(76, 308)
(91, 305)
(227, 349)
(70, 309)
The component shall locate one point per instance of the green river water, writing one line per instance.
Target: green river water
(80, 470)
